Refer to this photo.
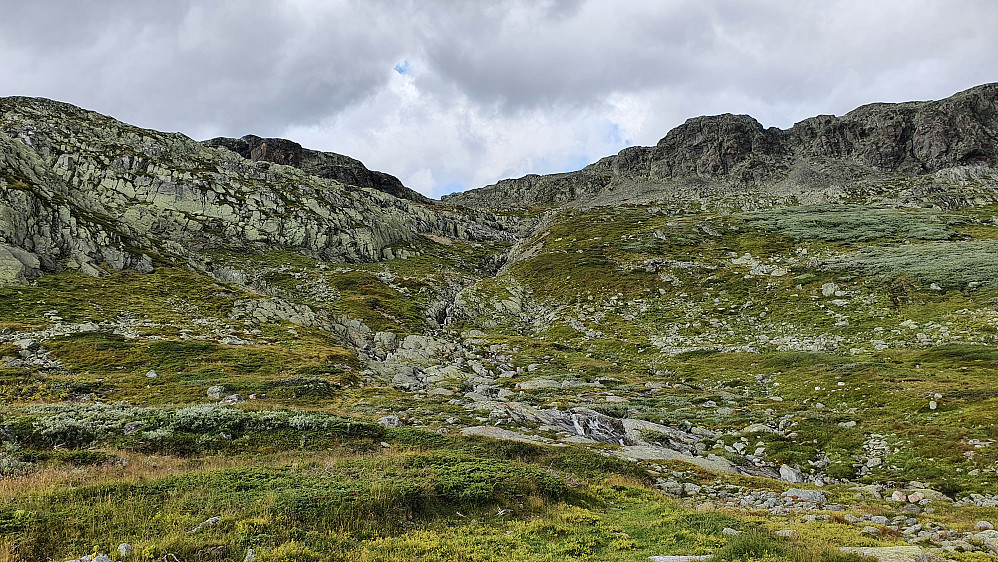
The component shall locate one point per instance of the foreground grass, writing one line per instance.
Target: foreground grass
(426, 504)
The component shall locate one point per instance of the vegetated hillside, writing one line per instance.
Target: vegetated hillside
(736, 163)
(204, 356)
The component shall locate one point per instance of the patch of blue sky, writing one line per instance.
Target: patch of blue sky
(403, 67)
(452, 187)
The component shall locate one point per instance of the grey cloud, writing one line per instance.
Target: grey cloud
(496, 88)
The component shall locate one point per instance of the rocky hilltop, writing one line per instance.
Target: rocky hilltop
(815, 159)
(79, 190)
(328, 165)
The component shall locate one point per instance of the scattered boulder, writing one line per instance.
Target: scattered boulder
(125, 550)
(216, 392)
(984, 526)
(232, 399)
(792, 475)
(390, 421)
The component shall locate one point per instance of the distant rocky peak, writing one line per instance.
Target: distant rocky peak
(330, 165)
(723, 153)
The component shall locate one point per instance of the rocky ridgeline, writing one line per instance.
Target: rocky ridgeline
(732, 161)
(328, 165)
(84, 191)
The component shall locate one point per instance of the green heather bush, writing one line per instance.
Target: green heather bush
(80, 424)
(10, 466)
(208, 417)
(950, 264)
(849, 223)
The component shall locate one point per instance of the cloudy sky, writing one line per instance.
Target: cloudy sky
(455, 94)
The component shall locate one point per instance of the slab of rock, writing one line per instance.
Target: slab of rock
(892, 553)
(806, 495)
(504, 434)
(712, 463)
(679, 558)
(537, 384)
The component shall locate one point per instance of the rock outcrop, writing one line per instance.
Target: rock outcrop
(711, 157)
(328, 165)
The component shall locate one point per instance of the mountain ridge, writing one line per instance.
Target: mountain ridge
(736, 152)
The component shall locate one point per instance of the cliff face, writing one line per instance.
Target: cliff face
(80, 190)
(328, 165)
(734, 152)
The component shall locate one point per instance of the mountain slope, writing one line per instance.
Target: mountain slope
(84, 191)
(733, 154)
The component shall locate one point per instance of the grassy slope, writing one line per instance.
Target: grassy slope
(316, 481)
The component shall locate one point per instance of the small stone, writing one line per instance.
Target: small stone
(868, 530)
(125, 549)
(786, 533)
(916, 497)
(898, 496)
(911, 508)
(250, 555)
(880, 520)
(933, 405)
(216, 392)
(984, 526)
(729, 532)
(131, 427)
(691, 489)
(152, 374)
(206, 523)
(805, 495)
(232, 399)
